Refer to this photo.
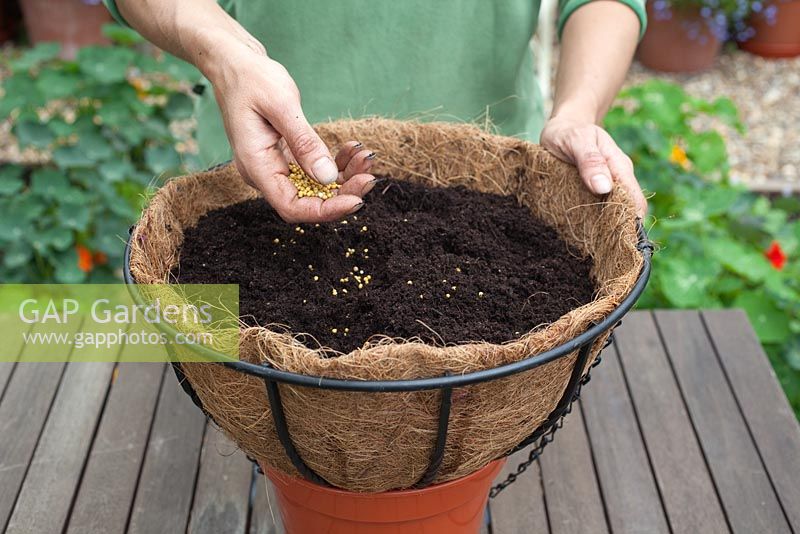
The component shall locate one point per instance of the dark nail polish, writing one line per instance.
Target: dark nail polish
(372, 155)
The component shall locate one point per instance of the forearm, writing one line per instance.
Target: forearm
(597, 46)
(198, 31)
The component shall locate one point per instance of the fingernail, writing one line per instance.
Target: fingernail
(372, 155)
(358, 145)
(601, 184)
(376, 181)
(325, 171)
(357, 207)
(369, 186)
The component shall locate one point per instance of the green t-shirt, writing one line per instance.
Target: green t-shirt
(455, 60)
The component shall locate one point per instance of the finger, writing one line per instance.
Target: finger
(592, 165)
(360, 163)
(306, 146)
(359, 185)
(593, 168)
(623, 172)
(257, 156)
(312, 210)
(348, 150)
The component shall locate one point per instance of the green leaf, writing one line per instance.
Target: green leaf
(707, 151)
(122, 35)
(61, 128)
(718, 201)
(66, 266)
(31, 133)
(71, 157)
(56, 237)
(16, 218)
(178, 69)
(49, 183)
(116, 170)
(105, 65)
(94, 146)
(133, 133)
(116, 114)
(770, 322)
(36, 55)
(74, 216)
(17, 254)
(54, 84)
(20, 93)
(743, 261)
(792, 354)
(179, 106)
(11, 179)
(685, 281)
(160, 159)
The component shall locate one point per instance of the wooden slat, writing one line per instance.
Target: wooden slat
(47, 493)
(520, 507)
(571, 492)
(686, 487)
(265, 517)
(772, 423)
(629, 489)
(23, 412)
(6, 369)
(57, 464)
(223, 487)
(11, 351)
(743, 486)
(106, 494)
(166, 486)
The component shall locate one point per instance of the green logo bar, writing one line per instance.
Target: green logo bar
(115, 322)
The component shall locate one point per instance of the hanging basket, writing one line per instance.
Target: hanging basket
(405, 414)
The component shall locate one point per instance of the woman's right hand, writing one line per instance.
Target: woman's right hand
(267, 130)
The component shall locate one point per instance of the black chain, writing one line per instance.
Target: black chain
(536, 451)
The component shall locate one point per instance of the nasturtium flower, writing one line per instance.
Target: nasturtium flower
(776, 256)
(85, 260)
(678, 157)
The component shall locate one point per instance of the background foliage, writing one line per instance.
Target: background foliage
(104, 120)
(720, 245)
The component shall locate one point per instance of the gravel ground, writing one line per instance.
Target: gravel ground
(767, 93)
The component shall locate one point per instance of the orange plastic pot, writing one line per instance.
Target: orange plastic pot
(453, 507)
(779, 39)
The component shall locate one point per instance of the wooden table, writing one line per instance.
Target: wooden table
(683, 428)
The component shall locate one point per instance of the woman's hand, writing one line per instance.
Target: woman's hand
(267, 129)
(598, 158)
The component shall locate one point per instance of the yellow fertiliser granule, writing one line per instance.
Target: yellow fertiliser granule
(307, 186)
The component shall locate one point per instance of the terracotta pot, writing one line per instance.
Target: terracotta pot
(73, 23)
(780, 39)
(681, 43)
(454, 507)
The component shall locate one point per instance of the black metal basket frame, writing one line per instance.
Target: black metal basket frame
(543, 435)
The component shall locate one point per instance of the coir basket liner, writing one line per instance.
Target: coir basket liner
(368, 441)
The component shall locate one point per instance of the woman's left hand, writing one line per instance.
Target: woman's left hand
(598, 158)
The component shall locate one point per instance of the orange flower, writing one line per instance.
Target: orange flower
(678, 157)
(141, 86)
(85, 261)
(776, 256)
(99, 258)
